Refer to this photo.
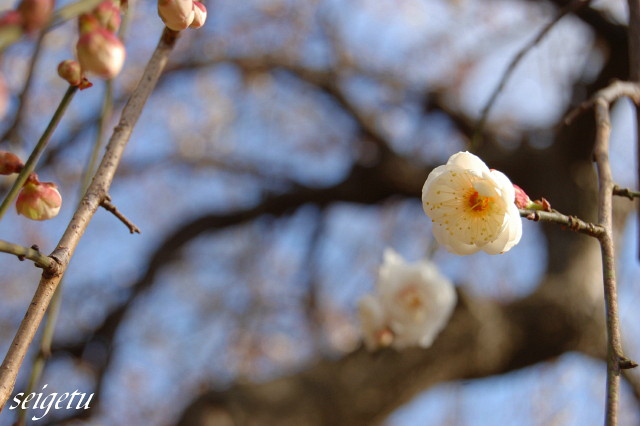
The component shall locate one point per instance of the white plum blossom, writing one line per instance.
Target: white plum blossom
(412, 304)
(375, 331)
(472, 208)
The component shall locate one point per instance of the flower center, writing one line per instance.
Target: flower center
(477, 203)
(411, 299)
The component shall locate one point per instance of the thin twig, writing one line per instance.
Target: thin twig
(615, 357)
(634, 75)
(12, 133)
(107, 205)
(571, 222)
(37, 151)
(40, 259)
(91, 201)
(484, 115)
(625, 192)
(616, 361)
(611, 93)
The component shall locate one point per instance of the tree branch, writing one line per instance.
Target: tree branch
(615, 357)
(91, 201)
(40, 259)
(625, 192)
(484, 115)
(571, 222)
(110, 207)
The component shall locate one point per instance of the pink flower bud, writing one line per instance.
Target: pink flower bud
(85, 84)
(522, 199)
(11, 25)
(4, 97)
(87, 23)
(200, 15)
(10, 163)
(38, 200)
(177, 15)
(100, 52)
(108, 15)
(70, 71)
(11, 18)
(35, 14)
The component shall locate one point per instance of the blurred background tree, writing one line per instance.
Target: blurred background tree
(284, 148)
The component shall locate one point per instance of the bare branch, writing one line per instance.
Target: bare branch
(569, 8)
(12, 133)
(625, 192)
(94, 196)
(571, 222)
(40, 259)
(615, 357)
(610, 94)
(106, 203)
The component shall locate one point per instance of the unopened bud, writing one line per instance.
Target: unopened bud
(10, 163)
(200, 15)
(11, 18)
(4, 97)
(38, 200)
(11, 26)
(35, 14)
(177, 15)
(101, 53)
(522, 199)
(87, 23)
(85, 84)
(70, 71)
(108, 15)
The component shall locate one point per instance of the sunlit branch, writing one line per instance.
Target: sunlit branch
(26, 253)
(108, 206)
(615, 357)
(625, 192)
(91, 201)
(571, 222)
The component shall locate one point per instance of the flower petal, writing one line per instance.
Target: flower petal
(505, 185)
(451, 244)
(510, 236)
(467, 160)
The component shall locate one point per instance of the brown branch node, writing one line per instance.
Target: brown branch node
(617, 89)
(626, 364)
(107, 205)
(625, 192)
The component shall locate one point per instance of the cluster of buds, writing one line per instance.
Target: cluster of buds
(179, 15)
(29, 17)
(37, 200)
(99, 50)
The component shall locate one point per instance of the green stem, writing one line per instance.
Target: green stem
(37, 151)
(28, 253)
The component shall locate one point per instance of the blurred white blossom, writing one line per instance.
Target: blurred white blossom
(472, 208)
(412, 304)
(375, 331)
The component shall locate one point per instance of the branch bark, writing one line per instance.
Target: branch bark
(615, 356)
(91, 201)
